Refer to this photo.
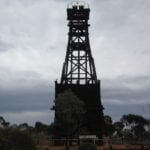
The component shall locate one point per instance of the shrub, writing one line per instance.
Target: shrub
(22, 140)
(87, 146)
(16, 139)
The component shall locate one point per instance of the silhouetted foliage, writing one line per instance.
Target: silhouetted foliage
(23, 126)
(14, 139)
(132, 128)
(50, 129)
(135, 125)
(3, 122)
(118, 127)
(69, 110)
(108, 126)
(40, 127)
(132, 120)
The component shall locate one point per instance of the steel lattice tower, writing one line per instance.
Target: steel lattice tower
(78, 73)
(79, 66)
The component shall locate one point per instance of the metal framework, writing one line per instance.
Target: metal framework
(78, 67)
(78, 73)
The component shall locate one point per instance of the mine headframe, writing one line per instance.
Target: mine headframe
(78, 67)
(78, 73)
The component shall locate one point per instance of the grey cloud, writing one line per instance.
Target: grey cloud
(146, 52)
(122, 19)
(11, 78)
(34, 99)
(24, 91)
(29, 117)
(116, 111)
(126, 90)
(125, 95)
(5, 46)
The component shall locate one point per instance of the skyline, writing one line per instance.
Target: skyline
(33, 44)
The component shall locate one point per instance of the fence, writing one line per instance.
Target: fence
(98, 142)
(105, 143)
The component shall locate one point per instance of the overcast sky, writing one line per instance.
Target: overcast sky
(33, 41)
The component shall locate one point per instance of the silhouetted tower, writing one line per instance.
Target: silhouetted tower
(78, 73)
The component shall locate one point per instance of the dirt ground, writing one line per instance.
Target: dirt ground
(104, 147)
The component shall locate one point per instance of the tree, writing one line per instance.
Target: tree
(108, 125)
(132, 120)
(50, 129)
(23, 126)
(138, 131)
(40, 127)
(136, 125)
(118, 127)
(3, 122)
(69, 110)
(14, 139)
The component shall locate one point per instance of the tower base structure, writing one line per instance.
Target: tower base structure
(90, 94)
